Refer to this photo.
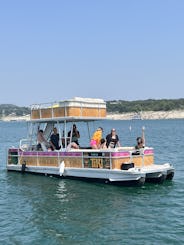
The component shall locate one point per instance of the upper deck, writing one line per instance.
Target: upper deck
(76, 108)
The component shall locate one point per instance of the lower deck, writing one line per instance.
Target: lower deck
(120, 166)
(80, 158)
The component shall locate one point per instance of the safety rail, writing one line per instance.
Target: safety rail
(28, 145)
(77, 107)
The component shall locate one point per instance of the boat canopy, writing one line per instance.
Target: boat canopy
(73, 110)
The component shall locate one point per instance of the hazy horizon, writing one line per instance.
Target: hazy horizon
(99, 98)
(115, 50)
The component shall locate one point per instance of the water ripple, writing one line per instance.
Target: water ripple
(42, 210)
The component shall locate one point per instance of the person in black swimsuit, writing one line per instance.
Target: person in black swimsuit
(112, 139)
(54, 140)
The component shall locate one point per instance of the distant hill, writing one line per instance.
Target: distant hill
(113, 106)
(9, 109)
(122, 106)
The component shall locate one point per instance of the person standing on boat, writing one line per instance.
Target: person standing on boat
(42, 142)
(140, 141)
(54, 140)
(95, 140)
(75, 134)
(112, 139)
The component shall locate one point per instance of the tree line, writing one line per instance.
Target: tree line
(121, 106)
(9, 109)
(113, 106)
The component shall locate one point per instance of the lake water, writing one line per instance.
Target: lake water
(50, 211)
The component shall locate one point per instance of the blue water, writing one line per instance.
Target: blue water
(46, 210)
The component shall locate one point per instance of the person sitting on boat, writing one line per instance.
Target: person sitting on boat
(54, 140)
(75, 134)
(102, 144)
(72, 145)
(95, 140)
(112, 139)
(42, 142)
(140, 141)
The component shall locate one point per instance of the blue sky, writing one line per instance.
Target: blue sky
(110, 49)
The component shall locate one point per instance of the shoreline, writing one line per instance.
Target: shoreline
(147, 115)
(143, 115)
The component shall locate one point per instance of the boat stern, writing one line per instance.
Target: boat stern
(158, 173)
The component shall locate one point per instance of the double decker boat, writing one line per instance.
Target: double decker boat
(120, 165)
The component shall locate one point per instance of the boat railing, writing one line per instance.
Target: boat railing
(44, 105)
(85, 158)
(27, 145)
(70, 108)
(126, 148)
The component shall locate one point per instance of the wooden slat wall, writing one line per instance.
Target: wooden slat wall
(52, 161)
(72, 162)
(46, 113)
(35, 114)
(68, 111)
(58, 112)
(148, 160)
(116, 163)
(138, 161)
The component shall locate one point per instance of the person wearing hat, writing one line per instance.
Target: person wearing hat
(112, 139)
(95, 140)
